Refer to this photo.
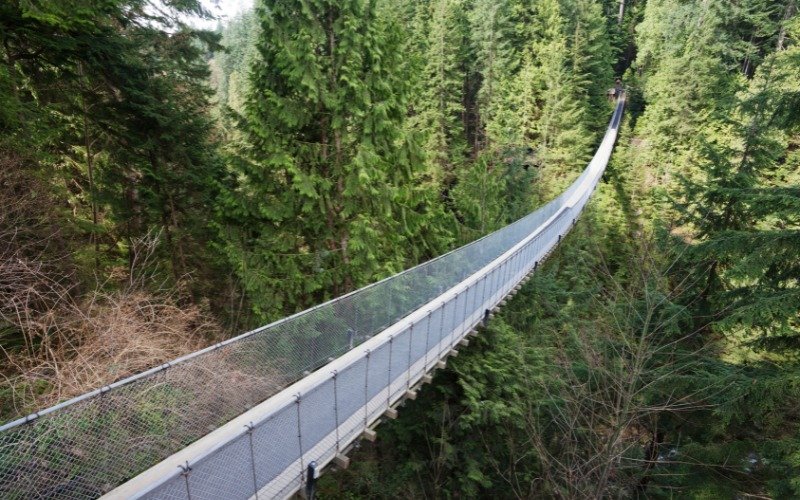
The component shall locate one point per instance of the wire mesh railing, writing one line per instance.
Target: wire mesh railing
(402, 326)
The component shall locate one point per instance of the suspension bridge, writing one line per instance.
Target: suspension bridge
(263, 414)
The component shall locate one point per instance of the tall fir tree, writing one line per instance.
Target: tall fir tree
(548, 113)
(230, 66)
(496, 61)
(744, 211)
(440, 108)
(112, 102)
(591, 58)
(688, 83)
(327, 196)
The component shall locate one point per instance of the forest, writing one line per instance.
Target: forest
(165, 187)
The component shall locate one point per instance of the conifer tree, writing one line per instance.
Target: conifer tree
(546, 99)
(496, 62)
(688, 81)
(326, 199)
(120, 98)
(591, 58)
(230, 67)
(440, 106)
(744, 211)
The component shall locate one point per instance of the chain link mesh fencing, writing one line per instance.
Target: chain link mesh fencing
(85, 447)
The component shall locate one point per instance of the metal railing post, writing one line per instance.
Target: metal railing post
(336, 409)
(250, 429)
(410, 346)
(389, 375)
(483, 291)
(299, 435)
(185, 471)
(366, 392)
(464, 323)
(441, 330)
(455, 320)
(427, 340)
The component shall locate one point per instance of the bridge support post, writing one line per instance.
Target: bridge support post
(311, 479)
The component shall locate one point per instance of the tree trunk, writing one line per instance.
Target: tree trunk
(791, 9)
(621, 13)
(11, 62)
(87, 142)
(134, 223)
(650, 461)
(178, 255)
(340, 236)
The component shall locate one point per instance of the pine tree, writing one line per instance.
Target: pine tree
(735, 239)
(591, 58)
(230, 66)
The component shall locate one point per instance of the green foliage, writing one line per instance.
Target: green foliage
(495, 190)
(722, 145)
(743, 215)
(107, 101)
(327, 195)
(439, 110)
(495, 60)
(715, 100)
(556, 98)
(230, 67)
(655, 355)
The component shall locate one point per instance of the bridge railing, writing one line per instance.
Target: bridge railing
(381, 338)
(265, 452)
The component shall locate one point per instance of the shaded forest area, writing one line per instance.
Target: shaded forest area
(164, 187)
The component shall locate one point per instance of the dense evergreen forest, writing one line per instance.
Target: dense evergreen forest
(164, 187)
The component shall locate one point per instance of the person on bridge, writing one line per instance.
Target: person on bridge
(616, 91)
